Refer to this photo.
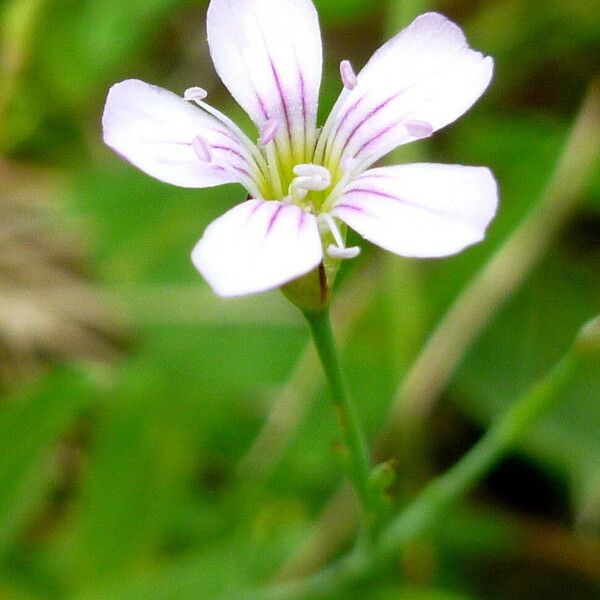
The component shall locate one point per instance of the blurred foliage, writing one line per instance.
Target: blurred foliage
(118, 470)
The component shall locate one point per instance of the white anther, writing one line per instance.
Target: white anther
(348, 75)
(202, 149)
(195, 94)
(419, 129)
(343, 253)
(268, 131)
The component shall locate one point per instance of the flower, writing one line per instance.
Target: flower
(306, 184)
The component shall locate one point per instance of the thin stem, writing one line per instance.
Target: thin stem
(359, 465)
(289, 405)
(438, 496)
(501, 437)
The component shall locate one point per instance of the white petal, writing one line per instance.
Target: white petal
(426, 75)
(422, 210)
(155, 130)
(268, 53)
(257, 246)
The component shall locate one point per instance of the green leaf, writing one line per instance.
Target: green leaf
(31, 426)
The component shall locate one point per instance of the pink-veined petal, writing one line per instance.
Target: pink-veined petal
(257, 246)
(418, 82)
(155, 130)
(420, 210)
(268, 53)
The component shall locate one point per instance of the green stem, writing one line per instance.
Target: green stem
(437, 496)
(358, 461)
(501, 437)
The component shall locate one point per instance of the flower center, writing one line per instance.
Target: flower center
(304, 184)
(312, 187)
(309, 186)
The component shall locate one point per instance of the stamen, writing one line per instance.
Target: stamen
(419, 129)
(254, 155)
(273, 167)
(268, 131)
(343, 253)
(348, 171)
(331, 224)
(195, 94)
(326, 222)
(202, 149)
(348, 75)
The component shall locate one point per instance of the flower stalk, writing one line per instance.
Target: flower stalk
(439, 495)
(356, 454)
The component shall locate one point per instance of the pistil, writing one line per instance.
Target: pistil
(313, 178)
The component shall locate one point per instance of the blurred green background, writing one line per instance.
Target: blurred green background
(134, 458)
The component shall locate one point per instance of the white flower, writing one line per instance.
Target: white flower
(306, 184)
